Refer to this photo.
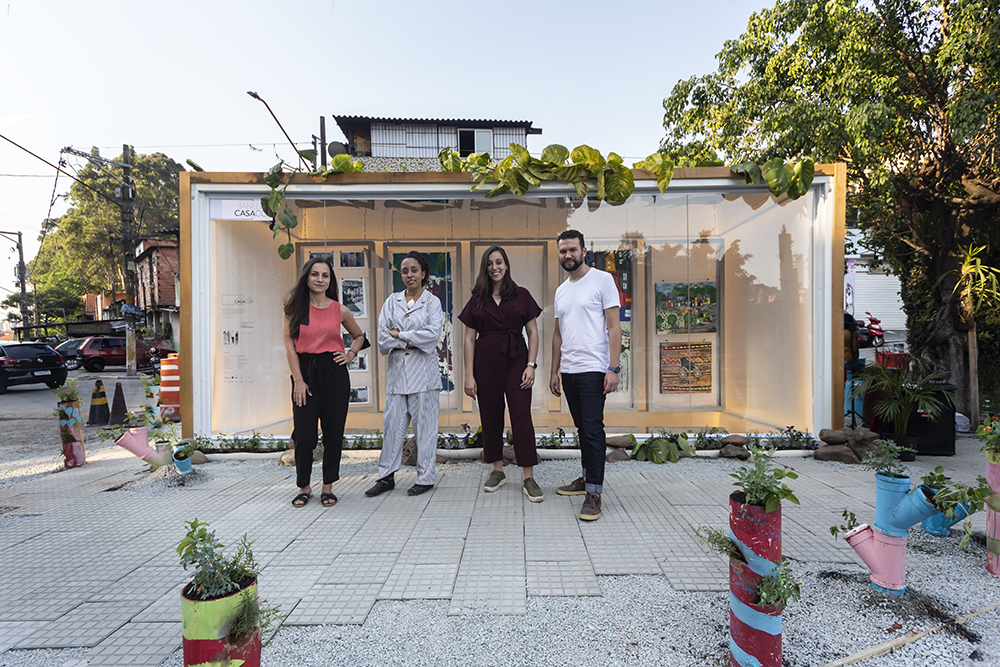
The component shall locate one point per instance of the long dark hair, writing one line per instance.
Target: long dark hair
(484, 284)
(297, 303)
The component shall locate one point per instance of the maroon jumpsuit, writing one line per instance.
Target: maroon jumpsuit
(499, 360)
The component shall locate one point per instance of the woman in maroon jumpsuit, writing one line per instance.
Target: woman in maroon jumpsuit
(498, 364)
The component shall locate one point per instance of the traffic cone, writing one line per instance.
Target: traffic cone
(98, 406)
(118, 409)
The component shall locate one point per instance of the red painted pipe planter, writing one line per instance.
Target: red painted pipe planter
(754, 630)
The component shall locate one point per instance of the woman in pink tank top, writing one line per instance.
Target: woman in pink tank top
(321, 385)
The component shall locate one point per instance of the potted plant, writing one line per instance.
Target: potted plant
(70, 425)
(989, 436)
(897, 394)
(182, 455)
(222, 617)
(755, 528)
(897, 507)
(954, 501)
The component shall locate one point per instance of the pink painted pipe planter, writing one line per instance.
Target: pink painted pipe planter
(885, 556)
(993, 513)
(883, 546)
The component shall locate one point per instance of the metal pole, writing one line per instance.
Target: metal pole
(128, 195)
(21, 275)
(322, 140)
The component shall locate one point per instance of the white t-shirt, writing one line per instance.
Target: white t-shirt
(579, 309)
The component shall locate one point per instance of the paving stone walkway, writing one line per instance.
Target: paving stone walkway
(93, 565)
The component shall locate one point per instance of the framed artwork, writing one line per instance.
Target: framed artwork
(354, 297)
(353, 259)
(442, 286)
(359, 396)
(348, 338)
(685, 368)
(691, 308)
(359, 363)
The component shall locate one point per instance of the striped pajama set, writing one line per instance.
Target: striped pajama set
(413, 381)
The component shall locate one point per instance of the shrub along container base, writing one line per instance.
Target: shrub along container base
(205, 630)
(993, 513)
(754, 631)
(71, 434)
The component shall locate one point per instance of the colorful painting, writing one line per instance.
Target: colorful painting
(685, 368)
(687, 307)
(442, 286)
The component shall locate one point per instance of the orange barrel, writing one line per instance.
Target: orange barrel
(170, 388)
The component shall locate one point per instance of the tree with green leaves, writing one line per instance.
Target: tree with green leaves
(84, 249)
(907, 94)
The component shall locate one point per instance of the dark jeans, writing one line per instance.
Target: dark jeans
(330, 387)
(585, 396)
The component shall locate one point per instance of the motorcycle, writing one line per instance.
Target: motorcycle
(870, 334)
(154, 358)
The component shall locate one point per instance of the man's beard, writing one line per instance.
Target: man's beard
(570, 264)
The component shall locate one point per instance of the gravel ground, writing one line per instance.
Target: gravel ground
(638, 620)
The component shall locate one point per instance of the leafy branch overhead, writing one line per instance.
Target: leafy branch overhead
(283, 217)
(519, 172)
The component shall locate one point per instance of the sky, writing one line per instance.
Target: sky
(173, 77)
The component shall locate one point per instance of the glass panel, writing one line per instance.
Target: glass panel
(715, 303)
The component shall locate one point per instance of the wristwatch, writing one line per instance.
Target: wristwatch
(533, 364)
(615, 369)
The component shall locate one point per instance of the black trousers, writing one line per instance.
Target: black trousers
(330, 385)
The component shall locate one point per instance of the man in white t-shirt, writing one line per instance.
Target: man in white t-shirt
(586, 347)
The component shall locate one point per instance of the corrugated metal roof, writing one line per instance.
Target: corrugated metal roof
(434, 121)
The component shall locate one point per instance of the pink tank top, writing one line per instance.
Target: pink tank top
(322, 334)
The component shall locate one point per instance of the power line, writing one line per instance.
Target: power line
(243, 145)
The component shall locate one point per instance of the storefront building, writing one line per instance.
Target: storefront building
(730, 299)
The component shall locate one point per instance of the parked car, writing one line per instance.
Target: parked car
(30, 363)
(97, 352)
(69, 349)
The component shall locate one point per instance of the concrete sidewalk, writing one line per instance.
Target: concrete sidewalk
(90, 564)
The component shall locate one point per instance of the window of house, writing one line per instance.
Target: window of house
(475, 141)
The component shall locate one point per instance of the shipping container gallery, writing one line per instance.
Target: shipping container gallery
(731, 299)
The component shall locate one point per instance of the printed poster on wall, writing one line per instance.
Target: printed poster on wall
(618, 264)
(441, 286)
(685, 368)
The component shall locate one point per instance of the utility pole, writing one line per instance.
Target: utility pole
(127, 199)
(22, 275)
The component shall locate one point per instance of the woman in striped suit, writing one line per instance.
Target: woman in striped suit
(409, 327)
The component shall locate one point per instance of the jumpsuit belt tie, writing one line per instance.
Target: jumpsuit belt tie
(314, 365)
(510, 343)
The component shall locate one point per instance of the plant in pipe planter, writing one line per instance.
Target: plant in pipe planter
(955, 501)
(779, 587)
(884, 459)
(989, 436)
(901, 393)
(850, 523)
(223, 617)
(719, 542)
(662, 448)
(762, 484)
(70, 425)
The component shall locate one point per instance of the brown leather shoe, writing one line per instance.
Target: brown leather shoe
(575, 488)
(591, 510)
